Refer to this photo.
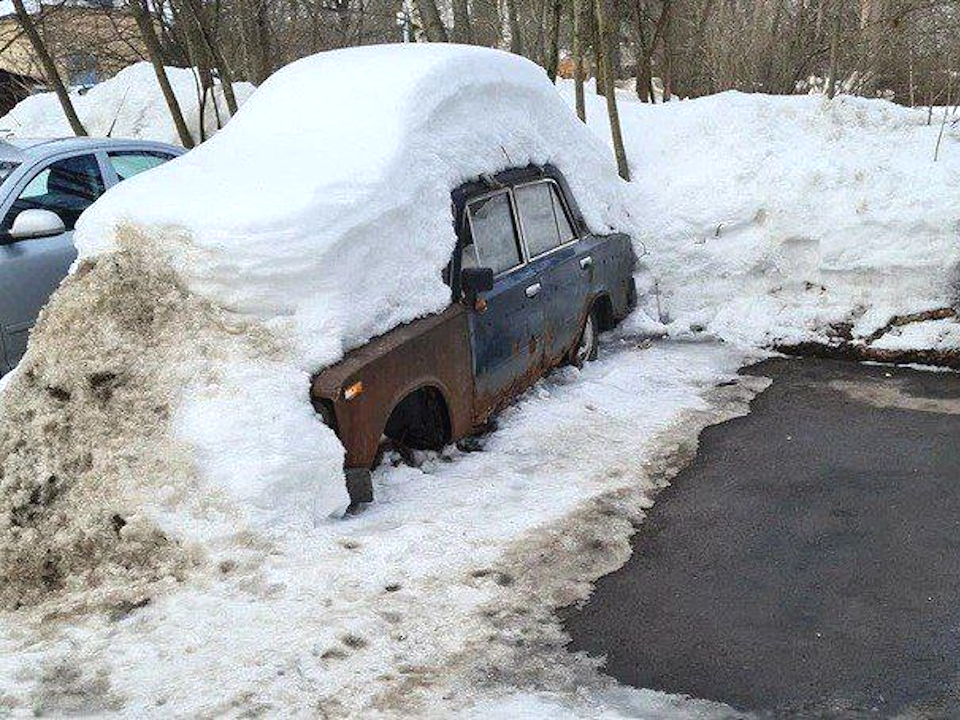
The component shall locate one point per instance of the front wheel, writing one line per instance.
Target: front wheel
(589, 342)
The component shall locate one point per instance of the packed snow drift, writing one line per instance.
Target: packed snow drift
(776, 220)
(174, 412)
(128, 105)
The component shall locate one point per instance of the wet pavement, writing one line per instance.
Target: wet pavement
(807, 562)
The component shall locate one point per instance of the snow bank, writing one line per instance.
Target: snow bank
(210, 289)
(779, 220)
(128, 105)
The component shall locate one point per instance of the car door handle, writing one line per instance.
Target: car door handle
(586, 262)
(533, 290)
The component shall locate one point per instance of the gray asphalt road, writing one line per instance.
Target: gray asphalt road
(808, 561)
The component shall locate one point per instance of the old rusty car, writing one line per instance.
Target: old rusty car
(530, 289)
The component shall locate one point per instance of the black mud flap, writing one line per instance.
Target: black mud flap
(359, 486)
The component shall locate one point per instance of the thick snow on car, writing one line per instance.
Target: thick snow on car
(531, 288)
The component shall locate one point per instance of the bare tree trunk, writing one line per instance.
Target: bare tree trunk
(553, 56)
(599, 68)
(516, 37)
(461, 22)
(577, 17)
(614, 14)
(540, 44)
(645, 54)
(603, 40)
(485, 25)
(255, 27)
(834, 55)
(141, 13)
(913, 102)
(196, 12)
(432, 24)
(946, 112)
(666, 41)
(49, 68)
(199, 57)
(643, 80)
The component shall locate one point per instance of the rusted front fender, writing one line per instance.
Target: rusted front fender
(365, 387)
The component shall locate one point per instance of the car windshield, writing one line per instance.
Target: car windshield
(7, 167)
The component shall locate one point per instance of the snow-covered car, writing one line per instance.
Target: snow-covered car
(44, 187)
(531, 288)
(313, 251)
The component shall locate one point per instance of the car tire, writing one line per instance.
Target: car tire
(588, 343)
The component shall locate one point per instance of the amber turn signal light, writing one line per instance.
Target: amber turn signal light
(351, 391)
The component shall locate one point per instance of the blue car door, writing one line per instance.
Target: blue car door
(552, 247)
(506, 323)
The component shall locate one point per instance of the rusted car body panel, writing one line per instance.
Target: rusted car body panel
(481, 352)
(431, 352)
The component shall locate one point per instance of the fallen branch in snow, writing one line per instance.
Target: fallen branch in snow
(861, 353)
(901, 320)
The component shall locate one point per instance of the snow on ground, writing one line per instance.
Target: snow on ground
(372, 614)
(128, 105)
(783, 219)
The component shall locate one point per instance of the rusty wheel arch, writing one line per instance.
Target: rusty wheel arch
(423, 403)
(602, 305)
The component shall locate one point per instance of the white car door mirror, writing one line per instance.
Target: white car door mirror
(36, 223)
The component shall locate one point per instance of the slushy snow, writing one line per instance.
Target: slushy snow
(389, 614)
(128, 105)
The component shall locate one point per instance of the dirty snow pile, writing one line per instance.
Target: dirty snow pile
(128, 105)
(777, 220)
(437, 598)
(162, 415)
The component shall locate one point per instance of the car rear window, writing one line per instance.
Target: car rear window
(494, 233)
(545, 225)
(128, 163)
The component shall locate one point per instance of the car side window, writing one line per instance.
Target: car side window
(563, 222)
(494, 235)
(66, 187)
(127, 163)
(545, 224)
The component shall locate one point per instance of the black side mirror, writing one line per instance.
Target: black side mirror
(476, 280)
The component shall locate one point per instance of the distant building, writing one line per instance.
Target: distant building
(89, 41)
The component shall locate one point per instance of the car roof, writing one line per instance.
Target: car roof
(18, 149)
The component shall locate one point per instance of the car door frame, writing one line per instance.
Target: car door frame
(461, 197)
(491, 396)
(556, 274)
(37, 166)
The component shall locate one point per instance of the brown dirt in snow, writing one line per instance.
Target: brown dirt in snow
(85, 436)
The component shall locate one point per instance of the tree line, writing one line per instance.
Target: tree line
(904, 50)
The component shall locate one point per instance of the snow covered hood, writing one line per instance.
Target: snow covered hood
(328, 195)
